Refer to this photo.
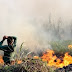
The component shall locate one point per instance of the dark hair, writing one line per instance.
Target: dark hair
(9, 39)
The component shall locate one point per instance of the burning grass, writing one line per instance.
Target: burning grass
(53, 60)
(58, 57)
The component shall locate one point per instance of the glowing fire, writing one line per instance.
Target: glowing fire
(52, 60)
(1, 60)
(69, 46)
(19, 61)
(36, 57)
(12, 62)
(16, 61)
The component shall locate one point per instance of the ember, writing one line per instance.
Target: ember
(52, 59)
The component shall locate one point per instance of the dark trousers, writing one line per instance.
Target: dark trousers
(6, 60)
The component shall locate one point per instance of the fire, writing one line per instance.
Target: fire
(69, 46)
(16, 61)
(1, 60)
(52, 59)
(19, 61)
(12, 62)
(36, 57)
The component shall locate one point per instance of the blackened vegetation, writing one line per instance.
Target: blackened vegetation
(65, 69)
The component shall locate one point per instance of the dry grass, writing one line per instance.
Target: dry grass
(28, 65)
(37, 65)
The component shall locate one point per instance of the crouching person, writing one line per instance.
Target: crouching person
(9, 48)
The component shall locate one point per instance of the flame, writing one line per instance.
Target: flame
(16, 61)
(36, 57)
(69, 46)
(12, 62)
(52, 59)
(1, 60)
(19, 61)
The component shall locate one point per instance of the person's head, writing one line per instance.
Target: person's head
(10, 40)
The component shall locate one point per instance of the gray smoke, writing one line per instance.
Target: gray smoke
(36, 22)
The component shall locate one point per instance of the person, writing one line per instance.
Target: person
(9, 48)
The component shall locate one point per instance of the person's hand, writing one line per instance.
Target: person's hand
(5, 37)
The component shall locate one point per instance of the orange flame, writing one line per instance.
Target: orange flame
(1, 60)
(19, 61)
(52, 60)
(36, 57)
(12, 62)
(69, 46)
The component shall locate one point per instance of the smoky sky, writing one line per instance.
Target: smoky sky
(23, 18)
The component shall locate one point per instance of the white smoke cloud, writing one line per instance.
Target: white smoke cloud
(23, 19)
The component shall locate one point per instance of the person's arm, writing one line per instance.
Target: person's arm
(1, 42)
(14, 43)
(15, 40)
(4, 37)
(3, 47)
(11, 47)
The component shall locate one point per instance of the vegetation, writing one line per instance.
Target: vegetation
(60, 41)
(61, 47)
(28, 65)
(37, 65)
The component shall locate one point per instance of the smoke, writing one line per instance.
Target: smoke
(36, 22)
